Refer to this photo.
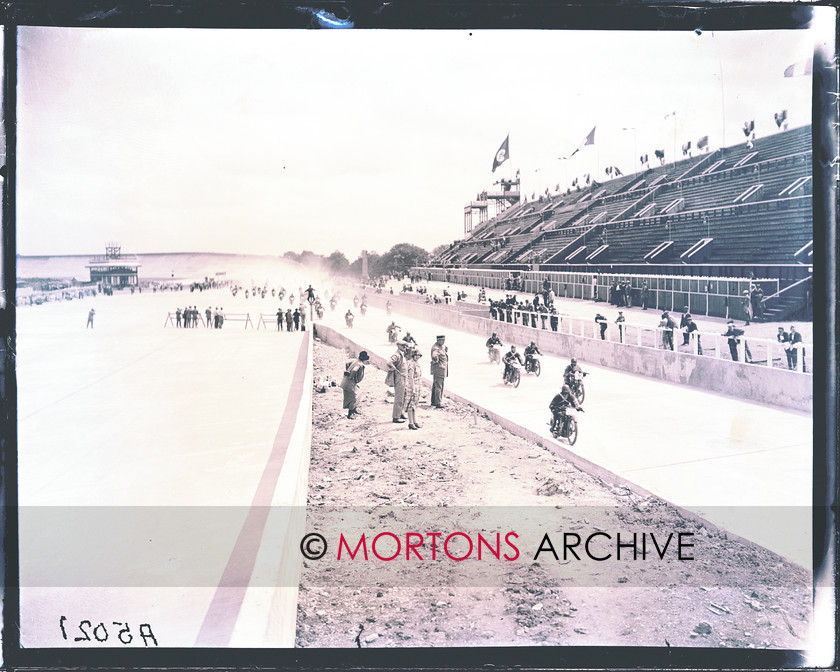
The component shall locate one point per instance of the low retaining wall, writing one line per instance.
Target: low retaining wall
(779, 387)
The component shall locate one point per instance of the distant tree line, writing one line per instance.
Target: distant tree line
(396, 261)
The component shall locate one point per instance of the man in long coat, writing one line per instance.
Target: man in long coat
(354, 372)
(440, 370)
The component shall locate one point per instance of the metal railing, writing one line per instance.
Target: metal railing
(759, 351)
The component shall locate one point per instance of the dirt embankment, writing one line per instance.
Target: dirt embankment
(730, 595)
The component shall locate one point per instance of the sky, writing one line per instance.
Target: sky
(263, 141)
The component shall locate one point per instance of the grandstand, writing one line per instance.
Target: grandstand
(740, 212)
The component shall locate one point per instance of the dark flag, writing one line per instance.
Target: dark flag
(502, 155)
(749, 127)
(686, 148)
(780, 117)
(703, 142)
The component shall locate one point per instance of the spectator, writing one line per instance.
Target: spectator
(783, 338)
(668, 325)
(684, 325)
(691, 328)
(602, 323)
(746, 303)
(354, 372)
(396, 376)
(734, 335)
(91, 313)
(414, 384)
(644, 295)
(554, 318)
(620, 322)
(796, 348)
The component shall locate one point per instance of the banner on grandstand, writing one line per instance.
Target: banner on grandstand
(502, 155)
(588, 140)
(800, 68)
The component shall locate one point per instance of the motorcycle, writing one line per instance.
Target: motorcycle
(512, 376)
(565, 429)
(494, 353)
(577, 387)
(392, 336)
(532, 365)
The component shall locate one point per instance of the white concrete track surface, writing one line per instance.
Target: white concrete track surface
(132, 414)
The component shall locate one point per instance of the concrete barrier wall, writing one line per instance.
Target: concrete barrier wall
(779, 387)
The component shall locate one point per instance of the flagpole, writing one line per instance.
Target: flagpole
(675, 138)
(722, 107)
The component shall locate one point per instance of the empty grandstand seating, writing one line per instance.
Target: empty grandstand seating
(752, 203)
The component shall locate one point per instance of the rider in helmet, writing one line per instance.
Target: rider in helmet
(559, 405)
(530, 351)
(493, 340)
(508, 359)
(569, 373)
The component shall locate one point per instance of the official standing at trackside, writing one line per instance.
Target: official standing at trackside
(398, 365)
(440, 370)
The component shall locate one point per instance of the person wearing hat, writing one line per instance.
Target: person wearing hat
(601, 321)
(439, 369)
(414, 383)
(783, 339)
(354, 372)
(734, 335)
(396, 374)
(620, 322)
(690, 328)
(684, 324)
(668, 325)
(796, 348)
(747, 305)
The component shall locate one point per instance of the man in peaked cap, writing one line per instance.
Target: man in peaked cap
(439, 370)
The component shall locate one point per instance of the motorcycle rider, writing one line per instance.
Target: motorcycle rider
(508, 359)
(392, 330)
(569, 373)
(558, 407)
(493, 340)
(530, 351)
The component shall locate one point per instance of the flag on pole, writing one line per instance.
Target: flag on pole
(588, 140)
(502, 155)
(800, 68)
(703, 142)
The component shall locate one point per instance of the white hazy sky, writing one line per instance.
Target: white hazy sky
(263, 141)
